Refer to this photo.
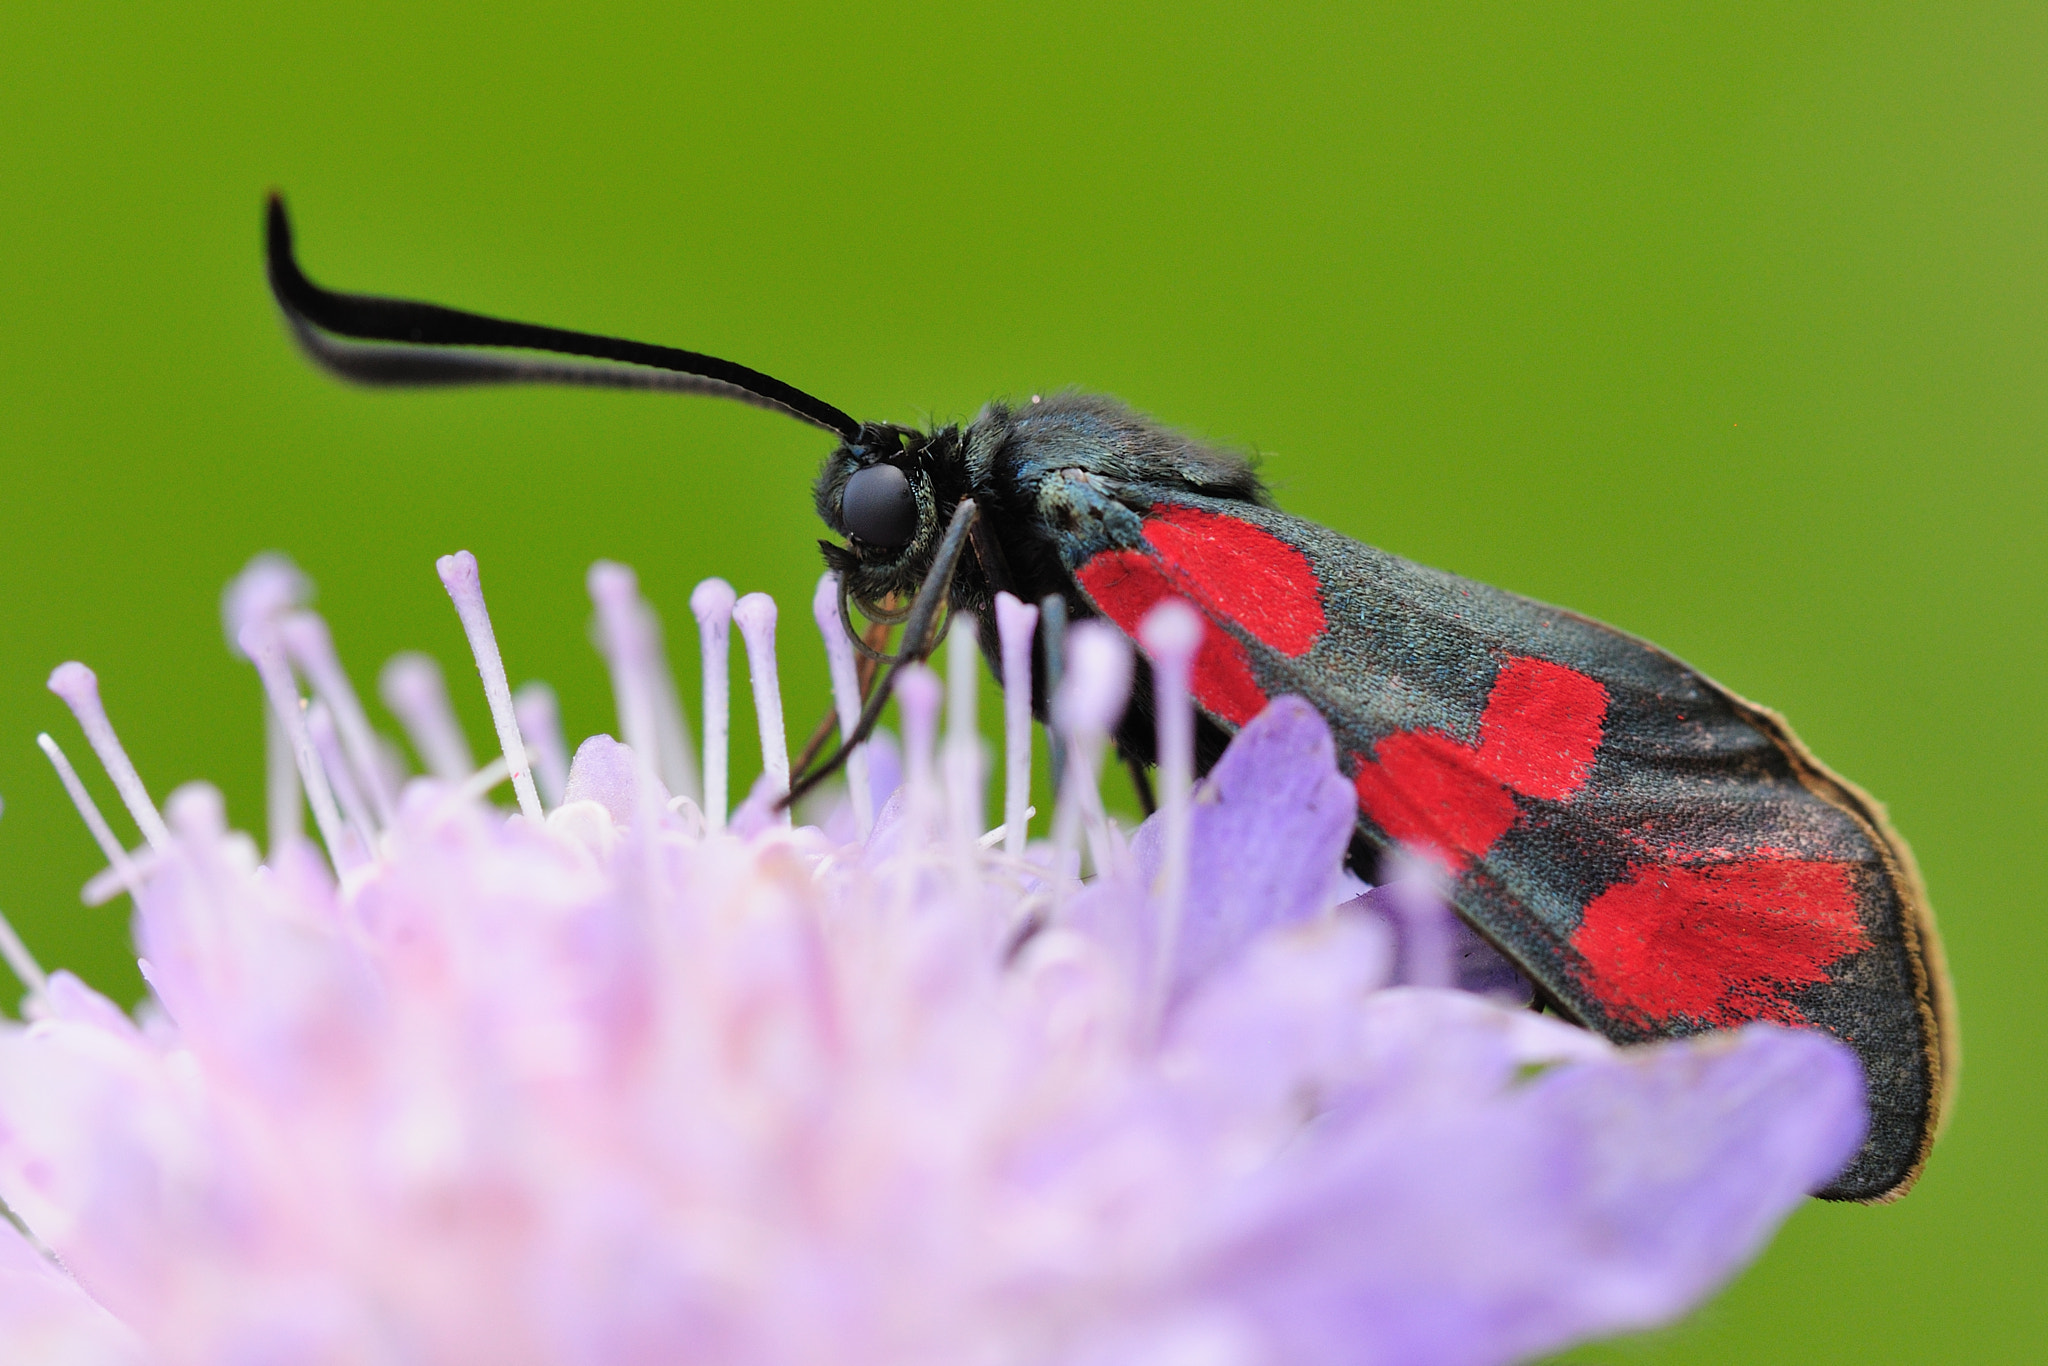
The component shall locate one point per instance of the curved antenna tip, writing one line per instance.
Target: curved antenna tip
(435, 345)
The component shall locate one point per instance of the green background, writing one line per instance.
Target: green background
(1725, 323)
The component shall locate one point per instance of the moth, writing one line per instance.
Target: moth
(1658, 855)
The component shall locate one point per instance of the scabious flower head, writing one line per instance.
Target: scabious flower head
(617, 1079)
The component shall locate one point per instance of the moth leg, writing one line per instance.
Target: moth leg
(819, 735)
(988, 552)
(1052, 639)
(1142, 781)
(1545, 1002)
(864, 668)
(916, 643)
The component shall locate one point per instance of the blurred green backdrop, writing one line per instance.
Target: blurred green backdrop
(1725, 323)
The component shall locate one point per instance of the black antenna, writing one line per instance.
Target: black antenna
(432, 337)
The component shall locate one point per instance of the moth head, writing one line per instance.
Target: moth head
(876, 490)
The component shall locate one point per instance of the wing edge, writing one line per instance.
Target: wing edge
(1933, 989)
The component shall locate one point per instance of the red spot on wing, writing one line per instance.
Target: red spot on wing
(1424, 790)
(1126, 584)
(1223, 681)
(1718, 944)
(1541, 729)
(1240, 572)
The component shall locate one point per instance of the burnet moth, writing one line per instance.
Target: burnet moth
(1658, 855)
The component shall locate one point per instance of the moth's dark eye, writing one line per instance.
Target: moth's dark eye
(878, 507)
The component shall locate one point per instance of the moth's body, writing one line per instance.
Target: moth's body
(1057, 479)
(1660, 778)
(1658, 855)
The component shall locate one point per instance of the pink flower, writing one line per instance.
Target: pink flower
(616, 1081)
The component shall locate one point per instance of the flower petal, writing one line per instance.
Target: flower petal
(612, 1089)
(604, 772)
(1597, 1198)
(1270, 823)
(47, 1319)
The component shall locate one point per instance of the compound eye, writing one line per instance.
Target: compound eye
(878, 508)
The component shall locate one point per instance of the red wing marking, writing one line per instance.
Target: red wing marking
(1425, 791)
(1241, 573)
(1127, 584)
(1718, 944)
(1541, 729)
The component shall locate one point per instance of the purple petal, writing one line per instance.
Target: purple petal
(72, 1000)
(603, 772)
(1283, 1020)
(1598, 1197)
(757, 814)
(1270, 826)
(46, 1318)
(1473, 964)
(885, 774)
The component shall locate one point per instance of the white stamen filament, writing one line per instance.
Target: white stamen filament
(963, 734)
(22, 961)
(284, 804)
(326, 744)
(88, 811)
(109, 883)
(259, 642)
(917, 701)
(712, 603)
(1090, 701)
(474, 788)
(755, 614)
(465, 588)
(1001, 833)
(310, 646)
(80, 689)
(1171, 634)
(540, 721)
(846, 699)
(675, 756)
(269, 586)
(1015, 623)
(477, 784)
(629, 649)
(412, 687)
(1084, 800)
